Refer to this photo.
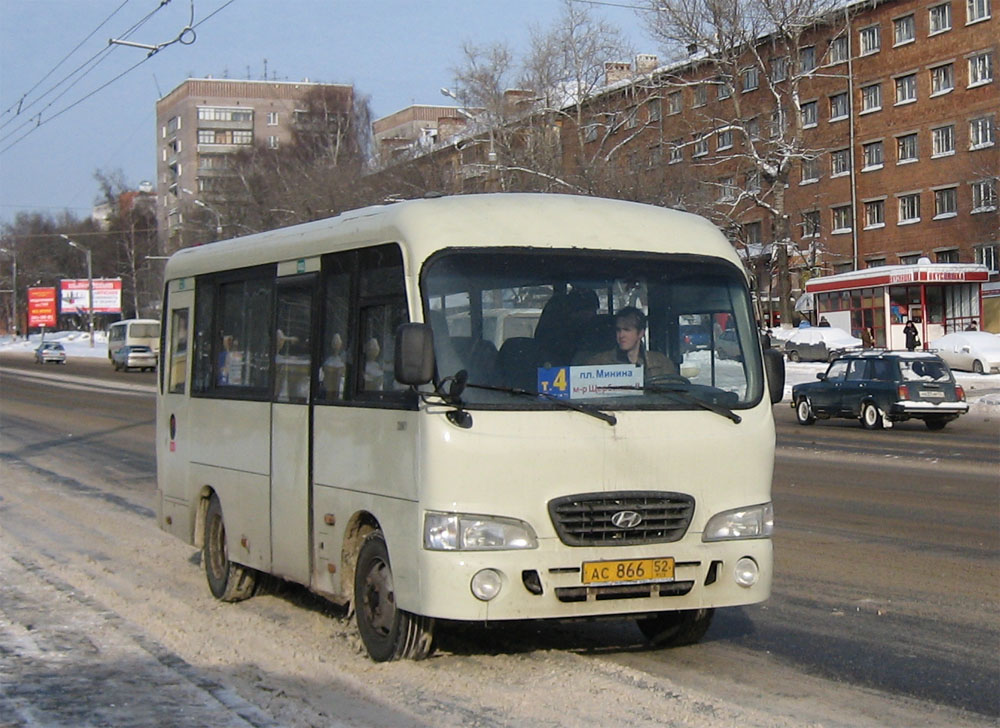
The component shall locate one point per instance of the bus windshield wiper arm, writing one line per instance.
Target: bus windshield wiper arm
(585, 409)
(683, 394)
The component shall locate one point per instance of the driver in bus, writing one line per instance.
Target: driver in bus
(630, 329)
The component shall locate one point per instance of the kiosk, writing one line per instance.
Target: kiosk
(938, 297)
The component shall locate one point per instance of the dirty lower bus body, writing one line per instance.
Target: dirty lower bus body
(345, 414)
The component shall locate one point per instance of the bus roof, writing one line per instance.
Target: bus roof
(424, 226)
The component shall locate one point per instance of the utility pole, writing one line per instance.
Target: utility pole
(90, 286)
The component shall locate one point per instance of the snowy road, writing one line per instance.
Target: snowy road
(883, 613)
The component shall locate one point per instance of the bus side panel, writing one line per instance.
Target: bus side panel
(177, 509)
(364, 462)
(230, 446)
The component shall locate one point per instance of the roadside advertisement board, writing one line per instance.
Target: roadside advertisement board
(107, 295)
(41, 307)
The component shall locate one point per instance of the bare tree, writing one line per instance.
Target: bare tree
(131, 234)
(733, 45)
(318, 174)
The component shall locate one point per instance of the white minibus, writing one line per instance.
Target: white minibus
(133, 332)
(335, 411)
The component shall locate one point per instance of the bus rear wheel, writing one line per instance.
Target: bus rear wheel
(388, 633)
(673, 629)
(227, 581)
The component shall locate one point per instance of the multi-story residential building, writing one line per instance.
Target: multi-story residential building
(869, 138)
(203, 122)
(415, 130)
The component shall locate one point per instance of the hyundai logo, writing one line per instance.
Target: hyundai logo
(626, 519)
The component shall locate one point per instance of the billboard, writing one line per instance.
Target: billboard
(41, 307)
(107, 295)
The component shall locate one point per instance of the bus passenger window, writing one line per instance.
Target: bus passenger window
(177, 380)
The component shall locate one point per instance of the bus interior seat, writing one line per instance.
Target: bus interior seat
(517, 363)
(596, 337)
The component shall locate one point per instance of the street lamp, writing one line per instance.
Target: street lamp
(90, 285)
(491, 154)
(13, 285)
(218, 217)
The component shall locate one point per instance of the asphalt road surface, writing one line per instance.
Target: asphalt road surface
(884, 609)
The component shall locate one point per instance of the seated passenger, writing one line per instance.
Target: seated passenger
(630, 327)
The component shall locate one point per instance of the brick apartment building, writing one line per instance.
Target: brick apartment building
(889, 141)
(201, 123)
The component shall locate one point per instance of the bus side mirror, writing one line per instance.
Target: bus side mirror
(414, 356)
(774, 366)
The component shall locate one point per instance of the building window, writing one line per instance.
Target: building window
(976, 10)
(272, 142)
(909, 259)
(980, 69)
(837, 51)
(873, 156)
(215, 113)
(750, 78)
(242, 137)
(987, 255)
(984, 195)
(809, 114)
(727, 189)
(945, 203)
(871, 98)
(838, 106)
(874, 214)
(206, 136)
(751, 233)
(655, 111)
(940, 18)
(981, 132)
(842, 219)
(903, 30)
(700, 146)
(810, 170)
(723, 88)
(906, 148)
(700, 95)
(810, 224)
(875, 262)
(942, 79)
(906, 89)
(725, 140)
(779, 69)
(676, 151)
(753, 181)
(943, 139)
(272, 118)
(909, 208)
(675, 102)
(871, 40)
(840, 162)
(777, 125)
(807, 59)
(947, 256)
(752, 128)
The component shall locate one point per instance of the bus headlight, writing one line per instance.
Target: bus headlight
(749, 522)
(462, 532)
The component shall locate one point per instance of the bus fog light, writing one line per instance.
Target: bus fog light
(486, 584)
(747, 572)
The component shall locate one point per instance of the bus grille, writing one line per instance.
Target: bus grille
(589, 519)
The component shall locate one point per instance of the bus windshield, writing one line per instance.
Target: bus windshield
(610, 328)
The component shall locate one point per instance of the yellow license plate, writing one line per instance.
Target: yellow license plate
(612, 572)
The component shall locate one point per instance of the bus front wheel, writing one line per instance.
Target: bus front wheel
(388, 633)
(228, 582)
(673, 629)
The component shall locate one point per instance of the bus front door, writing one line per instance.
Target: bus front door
(291, 421)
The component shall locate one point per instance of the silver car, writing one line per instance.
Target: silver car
(50, 351)
(134, 357)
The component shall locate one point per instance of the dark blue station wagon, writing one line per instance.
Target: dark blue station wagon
(882, 387)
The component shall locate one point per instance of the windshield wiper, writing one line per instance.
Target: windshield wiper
(583, 408)
(683, 393)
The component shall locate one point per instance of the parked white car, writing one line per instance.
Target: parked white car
(819, 343)
(972, 351)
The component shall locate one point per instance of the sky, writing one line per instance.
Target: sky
(72, 104)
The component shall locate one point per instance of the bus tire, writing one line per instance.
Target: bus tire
(674, 629)
(228, 582)
(388, 633)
